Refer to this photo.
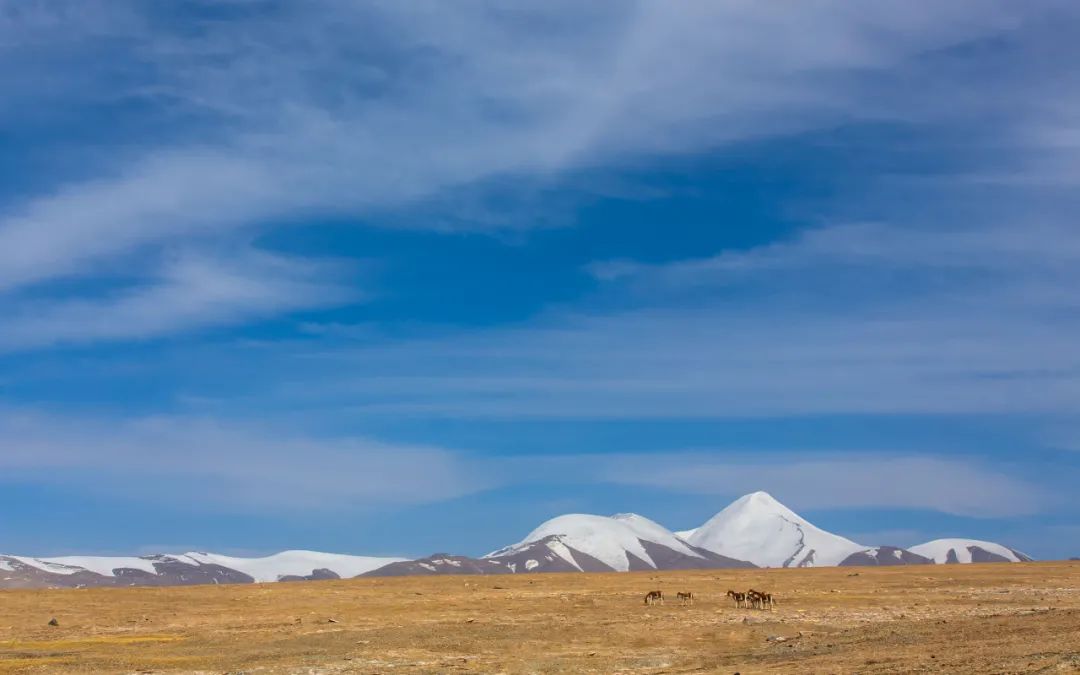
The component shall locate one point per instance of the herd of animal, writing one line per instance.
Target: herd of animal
(751, 599)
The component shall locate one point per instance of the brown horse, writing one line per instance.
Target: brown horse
(739, 598)
(653, 597)
(760, 599)
(754, 598)
(685, 598)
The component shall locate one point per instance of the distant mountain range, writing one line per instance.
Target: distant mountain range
(753, 531)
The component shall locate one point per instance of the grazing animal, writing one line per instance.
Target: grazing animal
(685, 598)
(653, 597)
(759, 599)
(739, 598)
(754, 598)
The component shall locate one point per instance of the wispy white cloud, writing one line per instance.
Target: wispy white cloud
(294, 115)
(851, 319)
(235, 467)
(709, 363)
(213, 465)
(1030, 248)
(196, 193)
(193, 291)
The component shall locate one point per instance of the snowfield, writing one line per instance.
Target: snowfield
(269, 568)
(294, 563)
(103, 565)
(939, 550)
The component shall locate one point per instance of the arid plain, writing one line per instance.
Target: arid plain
(1001, 618)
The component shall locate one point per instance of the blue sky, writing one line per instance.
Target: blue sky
(392, 278)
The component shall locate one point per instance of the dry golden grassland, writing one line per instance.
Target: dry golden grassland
(1004, 618)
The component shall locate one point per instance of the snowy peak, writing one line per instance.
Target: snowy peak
(618, 542)
(760, 502)
(760, 506)
(758, 528)
(650, 531)
(623, 542)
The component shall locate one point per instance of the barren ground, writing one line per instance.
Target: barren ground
(973, 618)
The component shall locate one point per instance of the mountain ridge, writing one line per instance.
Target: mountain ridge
(755, 530)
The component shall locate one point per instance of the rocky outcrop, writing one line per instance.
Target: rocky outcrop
(885, 555)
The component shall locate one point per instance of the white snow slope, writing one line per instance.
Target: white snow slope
(938, 550)
(103, 565)
(760, 529)
(298, 563)
(270, 568)
(608, 539)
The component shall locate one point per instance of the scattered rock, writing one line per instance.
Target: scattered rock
(331, 621)
(470, 620)
(54, 622)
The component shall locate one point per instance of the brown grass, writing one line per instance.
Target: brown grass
(971, 618)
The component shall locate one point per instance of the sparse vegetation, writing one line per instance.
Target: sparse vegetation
(969, 618)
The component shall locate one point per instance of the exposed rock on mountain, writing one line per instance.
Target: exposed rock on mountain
(885, 555)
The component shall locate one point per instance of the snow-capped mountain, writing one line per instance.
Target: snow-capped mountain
(294, 564)
(951, 551)
(754, 530)
(181, 569)
(760, 529)
(623, 542)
